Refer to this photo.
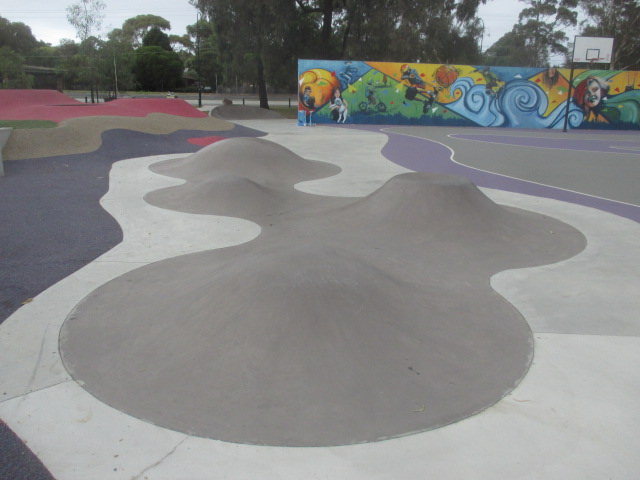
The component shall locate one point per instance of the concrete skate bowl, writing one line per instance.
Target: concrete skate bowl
(242, 112)
(352, 322)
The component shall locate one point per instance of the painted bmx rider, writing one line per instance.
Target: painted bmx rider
(373, 101)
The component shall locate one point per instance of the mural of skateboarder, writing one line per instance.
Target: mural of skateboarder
(467, 95)
(348, 75)
(492, 81)
(417, 86)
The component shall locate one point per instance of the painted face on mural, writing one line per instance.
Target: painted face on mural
(593, 93)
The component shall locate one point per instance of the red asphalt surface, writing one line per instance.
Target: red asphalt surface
(56, 106)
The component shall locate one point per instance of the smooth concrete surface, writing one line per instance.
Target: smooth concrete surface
(241, 177)
(335, 326)
(581, 304)
(573, 416)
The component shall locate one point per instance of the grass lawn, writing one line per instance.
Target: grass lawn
(27, 124)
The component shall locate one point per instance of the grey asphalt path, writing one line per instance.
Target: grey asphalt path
(18, 462)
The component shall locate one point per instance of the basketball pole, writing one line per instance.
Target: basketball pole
(566, 112)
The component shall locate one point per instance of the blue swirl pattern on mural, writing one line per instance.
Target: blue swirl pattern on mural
(523, 104)
(426, 94)
(519, 104)
(475, 104)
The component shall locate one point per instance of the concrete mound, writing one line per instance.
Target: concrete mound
(300, 346)
(418, 200)
(256, 158)
(436, 204)
(428, 209)
(361, 321)
(243, 177)
(219, 195)
(242, 112)
(419, 194)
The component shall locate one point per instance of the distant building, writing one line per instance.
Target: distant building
(45, 78)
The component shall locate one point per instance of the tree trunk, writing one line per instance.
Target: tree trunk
(345, 38)
(325, 35)
(262, 86)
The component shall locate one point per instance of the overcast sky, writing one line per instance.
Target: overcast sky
(48, 18)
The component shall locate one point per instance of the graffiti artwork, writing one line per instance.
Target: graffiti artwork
(353, 92)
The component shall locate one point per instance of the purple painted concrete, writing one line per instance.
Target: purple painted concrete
(423, 155)
(582, 144)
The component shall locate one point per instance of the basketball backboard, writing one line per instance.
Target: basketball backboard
(592, 49)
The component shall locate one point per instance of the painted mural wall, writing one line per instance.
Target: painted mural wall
(354, 92)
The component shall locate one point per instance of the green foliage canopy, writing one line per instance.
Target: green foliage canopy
(11, 70)
(17, 36)
(539, 33)
(135, 28)
(157, 37)
(157, 69)
(620, 20)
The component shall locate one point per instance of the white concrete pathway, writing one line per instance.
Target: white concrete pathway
(576, 415)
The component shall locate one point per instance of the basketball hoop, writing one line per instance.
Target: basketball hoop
(592, 50)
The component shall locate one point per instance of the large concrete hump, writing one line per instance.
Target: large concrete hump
(345, 322)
